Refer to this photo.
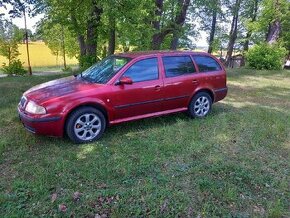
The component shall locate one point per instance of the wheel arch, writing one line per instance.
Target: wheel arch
(207, 90)
(97, 106)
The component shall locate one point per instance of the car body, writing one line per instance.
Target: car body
(138, 85)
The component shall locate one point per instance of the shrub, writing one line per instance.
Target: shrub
(86, 61)
(15, 68)
(67, 69)
(265, 56)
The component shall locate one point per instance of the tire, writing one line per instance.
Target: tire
(85, 124)
(200, 105)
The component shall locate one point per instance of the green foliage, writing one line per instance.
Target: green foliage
(14, 68)
(86, 61)
(10, 36)
(265, 56)
(270, 11)
(55, 35)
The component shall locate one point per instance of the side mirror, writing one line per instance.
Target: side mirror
(125, 80)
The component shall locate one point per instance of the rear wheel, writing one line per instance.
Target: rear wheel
(85, 124)
(200, 105)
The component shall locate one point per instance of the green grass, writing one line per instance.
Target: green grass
(52, 68)
(233, 163)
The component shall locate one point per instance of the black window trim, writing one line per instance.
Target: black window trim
(142, 59)
(180, 55)
(202, 55)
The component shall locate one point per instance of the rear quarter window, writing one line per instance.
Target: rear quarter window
(206, 64)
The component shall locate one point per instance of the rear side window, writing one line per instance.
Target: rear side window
(143, 70)
(178, 66)
(206, 64)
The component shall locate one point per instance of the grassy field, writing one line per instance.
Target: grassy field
(40, 55)
(233, 163)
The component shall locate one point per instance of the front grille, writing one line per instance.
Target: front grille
(23, 101)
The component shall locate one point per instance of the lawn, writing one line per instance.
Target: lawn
(233, 163)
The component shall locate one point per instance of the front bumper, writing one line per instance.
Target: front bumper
(42, 125)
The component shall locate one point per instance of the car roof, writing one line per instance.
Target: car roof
(148, 53)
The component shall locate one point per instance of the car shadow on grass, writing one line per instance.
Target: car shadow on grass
(238, 103)
(119, 131)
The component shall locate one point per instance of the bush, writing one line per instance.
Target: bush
(265, 56)
(86, 61)
(15, 68)
(67, 69)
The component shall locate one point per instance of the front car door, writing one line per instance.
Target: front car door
(144, 95)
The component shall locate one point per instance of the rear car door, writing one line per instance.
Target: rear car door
(144, 95)
(212, 75)
(180, 80)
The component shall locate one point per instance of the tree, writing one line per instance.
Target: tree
(274, 15)
(10, 36)
(273, 22)
(82, 18)
(234, 9)
(251, 17)
(213, 27)
(210, 15)
(20, 9)
(58, 38)
(170, 26)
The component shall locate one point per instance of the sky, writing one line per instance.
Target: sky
(31, 21)
(200, 41)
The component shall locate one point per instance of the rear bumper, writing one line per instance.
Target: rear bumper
(52, 126)
(220, 94)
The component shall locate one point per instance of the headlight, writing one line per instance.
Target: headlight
(33, 108)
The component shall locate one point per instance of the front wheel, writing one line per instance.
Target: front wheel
(200, 105)
(85, 125)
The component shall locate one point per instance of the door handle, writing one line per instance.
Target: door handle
(157, 88)
(195, 82)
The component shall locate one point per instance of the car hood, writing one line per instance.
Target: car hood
(58, 87)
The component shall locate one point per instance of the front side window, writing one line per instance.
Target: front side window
(143, 70)
(103, 71)
(206, 64)
(178, 66)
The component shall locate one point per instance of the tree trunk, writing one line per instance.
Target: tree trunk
(82, 45)
(63, 46)
(274, 29)
(80, 36)
(273, 32)
(27, 47)
(156, 40)
(112, 35)
(179, 22)
(246, 47)
(233, 33)
(104, 52)
(91, 42)
(174, 41)
(212, 31)
(174, 27)
(92, 30)
(249, 33)
(9, 56)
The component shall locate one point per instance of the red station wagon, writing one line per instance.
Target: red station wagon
(121, 88)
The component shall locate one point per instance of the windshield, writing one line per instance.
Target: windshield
(103, 71)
